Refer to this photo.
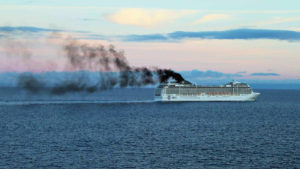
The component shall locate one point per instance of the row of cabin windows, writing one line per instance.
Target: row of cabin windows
(196, 91)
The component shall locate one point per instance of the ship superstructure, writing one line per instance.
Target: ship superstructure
(185, 91)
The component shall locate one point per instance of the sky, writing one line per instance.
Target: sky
(258, 39)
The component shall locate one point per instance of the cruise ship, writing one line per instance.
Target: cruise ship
(185, 91)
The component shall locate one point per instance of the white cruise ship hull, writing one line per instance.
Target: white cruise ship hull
(173, 97)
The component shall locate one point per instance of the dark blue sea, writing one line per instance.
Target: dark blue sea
(124, 128)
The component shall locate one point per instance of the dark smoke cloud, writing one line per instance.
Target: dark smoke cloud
(30, 83)
(166, 74)
(112, 66)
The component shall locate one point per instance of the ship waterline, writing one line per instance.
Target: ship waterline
(185, 91)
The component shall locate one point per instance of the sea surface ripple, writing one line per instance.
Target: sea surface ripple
(126, 129)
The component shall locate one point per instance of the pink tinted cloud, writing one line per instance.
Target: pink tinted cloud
(228, 56)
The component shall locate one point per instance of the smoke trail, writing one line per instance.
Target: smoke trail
(112, 66)
(30, 83)
(14, 48)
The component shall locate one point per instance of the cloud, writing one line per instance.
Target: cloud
(26, 29)
(277, 21)
(146, 18)
(265, 74)
(239, 34)
(245, 34)
(196, 74)
(211, 18)
(295, 29)
(242, 72)
(31, 32)
(151, 37)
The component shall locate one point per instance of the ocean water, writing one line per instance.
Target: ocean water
(124, 128)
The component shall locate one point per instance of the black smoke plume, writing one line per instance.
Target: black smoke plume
(108, 62)
(30, 83)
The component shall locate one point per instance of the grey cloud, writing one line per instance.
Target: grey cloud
(26, 29)
(265, 74)
(208, 74)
